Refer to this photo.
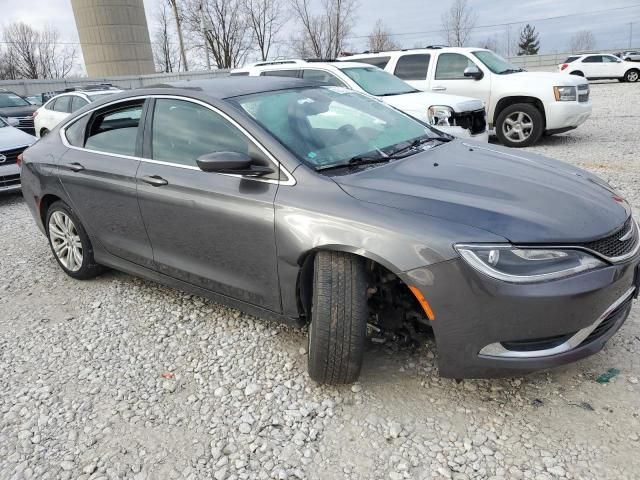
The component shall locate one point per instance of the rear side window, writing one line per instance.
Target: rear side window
(379, 62)
(451, 66)
(77, 103)
(571, 59)
(115, 130)
(280, 73)
(323, 77)
(182, 131)
(593, 59)
(63, 105)
(413, 67)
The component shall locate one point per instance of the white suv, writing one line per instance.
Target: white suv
(61, 106)
(521, 106)
(459, 116)
(600, 66)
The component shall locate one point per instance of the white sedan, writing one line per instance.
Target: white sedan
(61, 106)
(600, 66)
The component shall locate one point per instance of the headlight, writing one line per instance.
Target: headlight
(439, 115)
(526, 265)
(565, 94)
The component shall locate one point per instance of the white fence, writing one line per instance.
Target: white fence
(36, 87)
(549, 61)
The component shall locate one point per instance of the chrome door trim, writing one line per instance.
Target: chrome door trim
(290, 179)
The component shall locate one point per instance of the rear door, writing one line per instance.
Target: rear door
(98, 172)
(212, 230)
(592, 66)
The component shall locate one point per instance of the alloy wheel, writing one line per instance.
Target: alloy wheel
(65, 241)
(632, 77)
(517, 127)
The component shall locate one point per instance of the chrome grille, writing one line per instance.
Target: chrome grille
(10, 156)
(26, 123)
(618, 244)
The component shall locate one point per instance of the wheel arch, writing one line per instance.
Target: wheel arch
(578, 73)
(505, 102)
(44, 205)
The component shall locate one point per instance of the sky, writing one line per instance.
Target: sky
(416, 22)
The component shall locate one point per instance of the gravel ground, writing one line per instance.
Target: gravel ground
(123, 378)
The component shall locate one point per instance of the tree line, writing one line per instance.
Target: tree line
(230, 32)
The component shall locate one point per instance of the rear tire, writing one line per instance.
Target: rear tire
(64, 231)
(632, 75)
(519, 125)
(339, 316)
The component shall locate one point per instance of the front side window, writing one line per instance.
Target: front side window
(610, 59)
(9, 99)
(280, 73)
(378, 82)
(115, 130)
(322, 76)
(182, 131)
(62, 105)
(325, 126)
(451, 66)
(413, 67)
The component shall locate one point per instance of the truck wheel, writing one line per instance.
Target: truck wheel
(519, 125)
(632, 76)
(70, 243)
(339, 315)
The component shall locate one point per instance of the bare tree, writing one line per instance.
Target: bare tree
(178, 18)
(266, 18)
(37, 54)
(166, 55)
(582, 41)
(228, 35)
(491, 43)
(380, 39)
(323, 34)
(458, 23)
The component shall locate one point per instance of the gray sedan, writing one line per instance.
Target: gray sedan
(324, 207)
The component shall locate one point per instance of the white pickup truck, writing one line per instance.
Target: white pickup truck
(521, 106)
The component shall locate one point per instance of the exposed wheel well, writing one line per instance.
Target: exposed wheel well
(508, 101)
(387, 293)
(43, 132)
(578, 73)
(45, 203)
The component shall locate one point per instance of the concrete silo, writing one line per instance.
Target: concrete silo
(114, 37)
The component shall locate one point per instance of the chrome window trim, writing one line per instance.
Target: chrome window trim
(497, 350)
(290, 179)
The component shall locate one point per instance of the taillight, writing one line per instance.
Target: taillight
(563, 66)
(19, 160)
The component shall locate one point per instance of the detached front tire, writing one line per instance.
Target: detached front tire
(339, 316)
(519, 125)
(70, 243)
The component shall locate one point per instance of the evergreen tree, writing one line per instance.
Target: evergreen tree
(529, 43)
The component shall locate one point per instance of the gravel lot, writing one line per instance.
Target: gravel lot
(123, 378)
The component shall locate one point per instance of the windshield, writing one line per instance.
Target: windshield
(12, 100)
(377, 82)
(496, 63)
(331, 125)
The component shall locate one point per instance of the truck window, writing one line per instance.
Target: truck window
(413, 67)
(451, 66)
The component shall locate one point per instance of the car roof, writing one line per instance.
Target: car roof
(229, 87)
(409, 51)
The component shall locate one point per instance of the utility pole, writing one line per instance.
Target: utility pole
(204, 34)
(630, 35)
(176, 14)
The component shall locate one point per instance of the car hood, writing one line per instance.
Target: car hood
(25, 111)
(421, 101)
(552, 78)
(11, 138)
(522, 197)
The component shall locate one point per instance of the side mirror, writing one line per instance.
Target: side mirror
(232, 162)
(14, 122)
(473, 72)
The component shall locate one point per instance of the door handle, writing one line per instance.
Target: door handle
(75, 167)
(439, 89)
(154, 180)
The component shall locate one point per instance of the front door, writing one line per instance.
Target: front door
(212, 230)
(99, 176)
(449, 77)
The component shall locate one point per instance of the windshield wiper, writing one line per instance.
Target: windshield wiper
(355, 162)
(416, 143)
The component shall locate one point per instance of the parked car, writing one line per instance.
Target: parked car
(264, 195)
(460, 116)
(521, 106)
(631, 56)
(13, 105)
(600, 66)
(60, 106)
(12, 143)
